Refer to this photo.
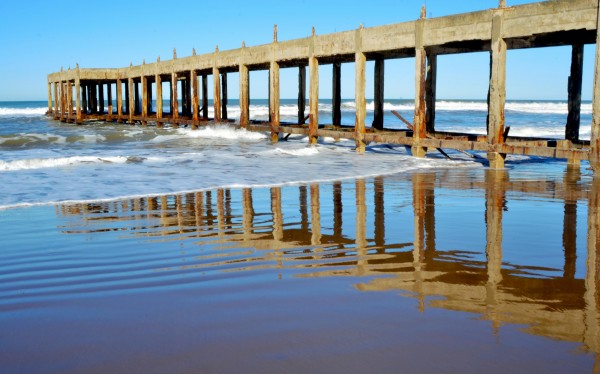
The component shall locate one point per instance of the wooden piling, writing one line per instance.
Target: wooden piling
(301, 94)
(497, 92)
(360, 100)
(224, 96)
(274, 100)
(195, 98)
(337, 94)
(174, 101)
(216, 95)
(244, 95)
(119, 100)
(418, 150)
(378, 94)
(430, 93)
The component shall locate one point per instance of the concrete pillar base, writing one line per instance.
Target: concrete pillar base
(496, 160)
(418, 151)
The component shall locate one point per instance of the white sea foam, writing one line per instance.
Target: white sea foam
(306, 151)
(22, 112)
(222, 132)
(42, 163)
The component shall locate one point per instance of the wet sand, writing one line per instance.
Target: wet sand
(452, 271)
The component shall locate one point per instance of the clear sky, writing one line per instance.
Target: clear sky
(39, 37)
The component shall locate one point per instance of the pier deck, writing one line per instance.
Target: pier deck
(79, 94)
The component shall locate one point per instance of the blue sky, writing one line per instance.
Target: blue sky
(38, 37)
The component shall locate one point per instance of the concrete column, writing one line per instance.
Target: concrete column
(69, 100)
(93, 97)
(224, 96)
(78, 115)
(127, 94)
(217, 94)
(101, 97)
(56, 100)
(174, 101)
(248, 213)
(49, 98)
(188, 95)
(159, 100)
(313, 100)
(301, 94)
(205, 97)
(569, 237)
(137, 110)
(84, 98)
(119, 100)
(63, 101)
(337, 94)
(110, 103)
(195, 98)
(274, 100)
(131, 100)
(574, 101)
(360, 100)
(144, 100)
(244, 95)
(379, 93)
(419, 119)
(497, 96)
(430, 93)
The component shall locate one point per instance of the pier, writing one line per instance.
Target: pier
(80, 94)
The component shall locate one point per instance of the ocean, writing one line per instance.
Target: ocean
(130, 248)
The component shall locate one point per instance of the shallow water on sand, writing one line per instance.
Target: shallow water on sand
(458, 270)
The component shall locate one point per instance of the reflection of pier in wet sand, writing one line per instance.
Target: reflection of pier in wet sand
(352, 241)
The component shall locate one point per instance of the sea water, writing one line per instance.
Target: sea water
(43, 161)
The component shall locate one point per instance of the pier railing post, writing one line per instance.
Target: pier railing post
(497, 93)
(313, 95)
(359, 95)
(419, 132)
(244, 90)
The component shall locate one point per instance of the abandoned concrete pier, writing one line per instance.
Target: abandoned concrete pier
(78, 94)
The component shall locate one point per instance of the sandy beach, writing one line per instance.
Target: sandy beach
(449, 271)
